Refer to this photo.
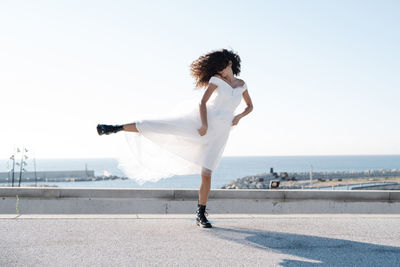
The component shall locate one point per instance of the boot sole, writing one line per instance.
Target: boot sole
(203, 226)
(98, 130)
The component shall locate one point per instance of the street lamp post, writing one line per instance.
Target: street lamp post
(23, 163)
(13, 169)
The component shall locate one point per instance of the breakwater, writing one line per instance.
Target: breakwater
(263, 180)
(50, 174)
(55, 176)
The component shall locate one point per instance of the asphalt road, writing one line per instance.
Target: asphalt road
(235, 240)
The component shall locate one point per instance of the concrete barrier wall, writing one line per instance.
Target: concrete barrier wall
(394, 186)
(182, 201)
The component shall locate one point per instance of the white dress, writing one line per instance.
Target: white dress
(171, 145)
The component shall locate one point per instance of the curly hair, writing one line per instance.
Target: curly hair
(206, 66)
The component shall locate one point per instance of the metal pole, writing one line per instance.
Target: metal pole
(21, 167)
(13, 158)
(8, 174)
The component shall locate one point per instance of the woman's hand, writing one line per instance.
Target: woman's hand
(203, 130)
(236, 120)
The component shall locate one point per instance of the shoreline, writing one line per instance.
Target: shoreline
(299, 180)
(343, 182)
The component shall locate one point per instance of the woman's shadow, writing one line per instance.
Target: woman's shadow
(323, 251)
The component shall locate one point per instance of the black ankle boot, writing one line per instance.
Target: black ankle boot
(201, 219)
(107, 129)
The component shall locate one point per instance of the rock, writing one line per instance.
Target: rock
(259, 186)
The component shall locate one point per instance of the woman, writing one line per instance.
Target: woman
(195, 140)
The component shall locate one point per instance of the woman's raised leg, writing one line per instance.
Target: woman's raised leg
(108, 129)
(131, 127)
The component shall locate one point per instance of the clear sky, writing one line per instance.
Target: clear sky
(323, 75)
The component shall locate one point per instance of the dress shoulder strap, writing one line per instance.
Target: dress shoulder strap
(214, 80)
(244, 86)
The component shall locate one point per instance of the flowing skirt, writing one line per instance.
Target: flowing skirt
(169, 145)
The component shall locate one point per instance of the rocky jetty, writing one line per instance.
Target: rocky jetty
(258, 181)
(262, 181)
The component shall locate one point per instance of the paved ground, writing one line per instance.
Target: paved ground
(259, 240)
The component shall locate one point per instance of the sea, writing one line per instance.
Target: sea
(230, 168)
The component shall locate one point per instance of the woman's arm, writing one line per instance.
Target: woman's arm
(249, 107)
(203, 108)
(247, 110)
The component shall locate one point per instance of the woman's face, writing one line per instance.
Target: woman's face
(227, 72)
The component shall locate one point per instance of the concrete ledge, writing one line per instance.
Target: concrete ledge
(342, 195)
(28, 200)
(190, 216)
